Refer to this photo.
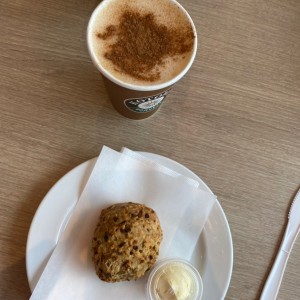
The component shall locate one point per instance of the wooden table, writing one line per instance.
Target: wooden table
(234, 120)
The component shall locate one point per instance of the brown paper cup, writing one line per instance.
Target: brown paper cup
(135, 101)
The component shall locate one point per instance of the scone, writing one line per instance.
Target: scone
(126, 241)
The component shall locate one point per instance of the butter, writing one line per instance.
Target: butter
(174, 279)
(175, 283)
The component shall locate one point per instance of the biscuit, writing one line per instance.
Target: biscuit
(126, 241)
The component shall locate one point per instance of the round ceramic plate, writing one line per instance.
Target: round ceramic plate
(213, 255)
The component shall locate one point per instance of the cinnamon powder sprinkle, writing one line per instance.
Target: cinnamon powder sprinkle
(141, 44)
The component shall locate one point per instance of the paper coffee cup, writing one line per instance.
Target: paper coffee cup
(135, 100)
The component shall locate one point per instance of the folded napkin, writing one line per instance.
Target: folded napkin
(158, 167)
(181, 207)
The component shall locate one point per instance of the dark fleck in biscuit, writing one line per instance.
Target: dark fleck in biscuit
(126, 241)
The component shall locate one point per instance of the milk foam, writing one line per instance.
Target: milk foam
(166, 13)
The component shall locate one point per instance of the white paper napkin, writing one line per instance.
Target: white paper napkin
(181, 207)
(158, 166)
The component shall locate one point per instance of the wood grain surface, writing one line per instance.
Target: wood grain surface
(234, 120)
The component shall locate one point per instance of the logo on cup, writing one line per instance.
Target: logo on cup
(145, 104)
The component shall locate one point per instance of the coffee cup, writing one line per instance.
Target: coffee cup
(142, 49)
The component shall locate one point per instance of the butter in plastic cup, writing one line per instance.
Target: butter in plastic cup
(174, 279)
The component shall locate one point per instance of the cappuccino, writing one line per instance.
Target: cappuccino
(141, 42)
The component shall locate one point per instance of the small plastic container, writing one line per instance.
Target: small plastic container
(174, 279)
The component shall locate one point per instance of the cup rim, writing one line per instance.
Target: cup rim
(136, 87)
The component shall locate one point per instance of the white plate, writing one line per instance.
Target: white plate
(213, 255)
